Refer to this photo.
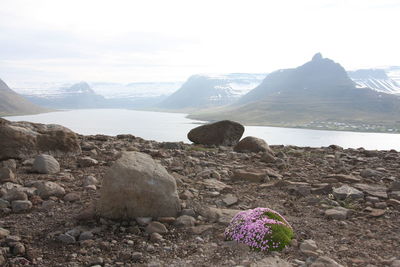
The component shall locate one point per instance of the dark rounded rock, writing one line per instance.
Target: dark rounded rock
(225, 133)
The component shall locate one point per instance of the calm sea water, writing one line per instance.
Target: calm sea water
(161, 126)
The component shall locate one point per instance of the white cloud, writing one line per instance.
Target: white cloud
(128, 40)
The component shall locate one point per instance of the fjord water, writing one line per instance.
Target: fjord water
(161, 126)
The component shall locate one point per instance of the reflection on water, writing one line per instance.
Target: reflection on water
(161, 126)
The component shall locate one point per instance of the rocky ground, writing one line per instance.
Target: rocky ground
(343, 204)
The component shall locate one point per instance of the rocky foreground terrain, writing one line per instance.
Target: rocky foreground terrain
(343, 204)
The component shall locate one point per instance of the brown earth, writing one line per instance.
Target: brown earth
(289, 184)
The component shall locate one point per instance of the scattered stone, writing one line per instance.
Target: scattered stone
(373, 190)
(10, 164)
(369, 173)
(45, 164)
(225, 133)
(344, 178)
(216, 185)
(7, 175)
(156, 237)
(230, 200)
(66, 238)
(324, 261)
(87, 162)
(255, 177)
(337, 213)
(222, 216)
(87, 235)
(15, 194)
(347, 192)
(156, 227)
(90, 180)
(18, 249)
(143, 220)
(253, 144)
(21, 205)
(48, 189)
(185, 221)
(394, 195)
(394, 203)
(309, 248)
(299, 188)
(137, 186)
(395, 186)
(268, 158)
(71, 197)
(271, 261)
(4, 233)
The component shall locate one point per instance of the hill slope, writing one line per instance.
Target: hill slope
(313, 95)
(13, 104)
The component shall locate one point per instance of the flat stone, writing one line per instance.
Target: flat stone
(255, 177)
(344, 178)
(324, 261)
(347, 192)
(230, 200)
(216, 185)
(338, 213)
(373, 190)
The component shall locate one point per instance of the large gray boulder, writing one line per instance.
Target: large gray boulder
(225, 133)
(137, 186)
(24, 139)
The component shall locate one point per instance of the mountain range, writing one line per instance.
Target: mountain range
(376, 79)
(316, 93)
(205, 91)
(12, 103)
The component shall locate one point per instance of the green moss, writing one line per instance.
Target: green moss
(274, 216)
(281, 235)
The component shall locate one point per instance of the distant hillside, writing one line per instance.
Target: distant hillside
(376, 79)
(79, 95)
(313, 95)
(204, 91)
(13, 104)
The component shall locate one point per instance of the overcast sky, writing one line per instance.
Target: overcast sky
(169, 40)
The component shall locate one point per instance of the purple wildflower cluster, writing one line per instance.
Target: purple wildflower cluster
(255, 229)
